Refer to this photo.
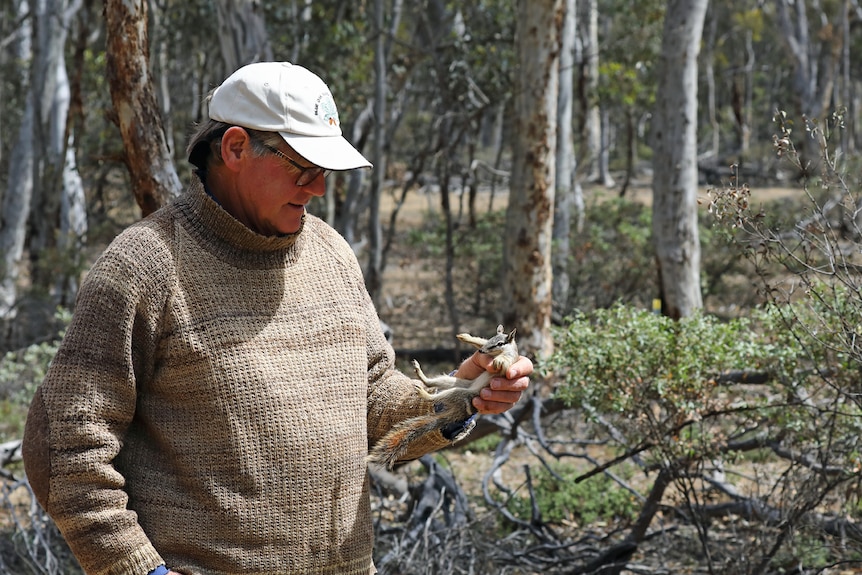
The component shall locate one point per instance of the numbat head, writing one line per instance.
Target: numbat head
(502, 346)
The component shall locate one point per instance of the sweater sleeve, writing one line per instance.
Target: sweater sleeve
(392, 396)
(80, 413)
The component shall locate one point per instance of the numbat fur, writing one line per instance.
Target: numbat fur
(451, 407)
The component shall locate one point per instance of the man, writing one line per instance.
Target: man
(212, 404)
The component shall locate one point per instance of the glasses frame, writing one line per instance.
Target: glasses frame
(307, 174)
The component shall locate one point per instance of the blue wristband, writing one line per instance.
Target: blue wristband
(160, 570)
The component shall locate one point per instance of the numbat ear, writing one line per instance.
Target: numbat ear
(511, 335)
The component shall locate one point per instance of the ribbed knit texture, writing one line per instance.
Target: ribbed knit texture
(212, 403)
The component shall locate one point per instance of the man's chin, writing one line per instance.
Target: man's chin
(290, 225)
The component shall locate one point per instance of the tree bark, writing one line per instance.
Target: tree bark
(848, 140)
(374, 271)
(675, 204)
(568, 194)
(812, 87)
(73, 229)
(530, 216)
(709, 63)
(19, 193)
(242, 33)
(51, 94)
(593, 118)
(162, 73)
(147, 157)
(38, 170)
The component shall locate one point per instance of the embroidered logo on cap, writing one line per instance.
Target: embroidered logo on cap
(324, 108)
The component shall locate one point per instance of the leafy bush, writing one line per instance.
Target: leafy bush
(753, 413)
(21, 371)
(560, 499)
(612, 258)
(625, 360)
(478, 253)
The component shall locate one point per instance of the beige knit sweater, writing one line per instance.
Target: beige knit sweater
(213, 401)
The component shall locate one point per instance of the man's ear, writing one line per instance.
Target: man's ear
(235, 147)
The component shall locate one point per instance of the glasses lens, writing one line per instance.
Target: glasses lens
(308, 175)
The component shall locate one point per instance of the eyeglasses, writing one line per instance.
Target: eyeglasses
(307, 174)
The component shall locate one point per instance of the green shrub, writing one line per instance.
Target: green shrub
(21, 371)
(623, 359)
(612, 258)
(560, 499)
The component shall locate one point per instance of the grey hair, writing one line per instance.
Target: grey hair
(204, 149)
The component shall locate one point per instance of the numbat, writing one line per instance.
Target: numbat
(450, 408)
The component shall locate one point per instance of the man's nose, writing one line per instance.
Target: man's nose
(317, 187)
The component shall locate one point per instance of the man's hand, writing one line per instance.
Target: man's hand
(501, 393)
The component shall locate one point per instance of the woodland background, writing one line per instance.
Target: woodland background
(660, 195)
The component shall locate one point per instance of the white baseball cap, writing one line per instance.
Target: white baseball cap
(288, 99)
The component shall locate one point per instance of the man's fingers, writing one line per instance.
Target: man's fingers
(500, 396)
(490, 407)
(501, 384)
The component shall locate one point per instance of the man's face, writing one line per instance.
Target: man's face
(271, 201)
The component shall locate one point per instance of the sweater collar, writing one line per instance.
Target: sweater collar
(208, 221)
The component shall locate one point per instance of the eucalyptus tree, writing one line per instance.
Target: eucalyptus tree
(242, 33)
(812, 35)
(810, 41)
(374, 270)
(674, 227)
(19, 190)
(529, 218)
(441, 73)
(597, 154)
(147, 157)
(569, 194)
(41, 170)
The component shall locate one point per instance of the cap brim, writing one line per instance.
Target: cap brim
(330, 152)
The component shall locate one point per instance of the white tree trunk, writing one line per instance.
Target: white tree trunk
(16, 208)
(50, 91)
(73, 228)
(242, 33)
(19, 192)
(568, 194)
(300, 11)
(605, 140)
(675, 159)
(529, 218)
(812, 86)
(593, 119)
(711, 110)
(374, 271)
(162, 74)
